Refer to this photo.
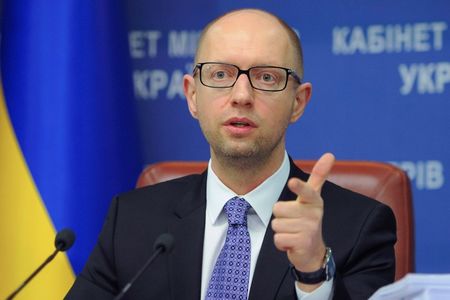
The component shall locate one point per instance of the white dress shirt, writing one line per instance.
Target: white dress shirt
(262, 199)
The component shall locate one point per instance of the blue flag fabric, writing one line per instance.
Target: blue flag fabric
(68, 92)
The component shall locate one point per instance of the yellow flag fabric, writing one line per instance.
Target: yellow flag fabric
(26, 231)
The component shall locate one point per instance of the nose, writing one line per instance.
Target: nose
(242, 91)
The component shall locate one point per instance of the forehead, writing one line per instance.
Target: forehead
(247, 38)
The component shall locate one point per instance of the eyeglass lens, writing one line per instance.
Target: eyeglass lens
(225, 75)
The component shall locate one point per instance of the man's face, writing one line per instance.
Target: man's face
(241, 122)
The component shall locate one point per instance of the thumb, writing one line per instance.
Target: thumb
(320, 171)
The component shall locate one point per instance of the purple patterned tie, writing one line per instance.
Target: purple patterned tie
(229, 279)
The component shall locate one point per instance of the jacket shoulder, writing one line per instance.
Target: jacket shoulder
(166, 190)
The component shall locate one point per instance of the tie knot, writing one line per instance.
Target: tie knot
(236, 209)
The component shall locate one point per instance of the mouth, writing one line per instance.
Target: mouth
(240, 127)
(240, 122)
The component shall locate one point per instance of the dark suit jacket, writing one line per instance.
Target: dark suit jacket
(361, 232)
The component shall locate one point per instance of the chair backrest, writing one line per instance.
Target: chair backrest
(381, 181)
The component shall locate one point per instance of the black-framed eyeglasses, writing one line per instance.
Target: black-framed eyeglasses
(264, 78)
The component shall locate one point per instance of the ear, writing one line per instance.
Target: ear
(190, 93)
(302, 96)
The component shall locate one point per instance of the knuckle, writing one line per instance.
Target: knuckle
(277, 208)
(275, 224)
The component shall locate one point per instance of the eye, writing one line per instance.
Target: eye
(219, 75)
(267, 77)
(221, 72)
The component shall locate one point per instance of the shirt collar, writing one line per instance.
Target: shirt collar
(262, 198)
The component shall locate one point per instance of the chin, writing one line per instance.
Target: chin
(242, 150)
(244, 156)
(239, 149)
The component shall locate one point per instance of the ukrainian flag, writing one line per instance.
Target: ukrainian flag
(68, 134)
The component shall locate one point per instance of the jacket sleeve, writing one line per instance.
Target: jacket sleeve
(371, 263)
(98, 279)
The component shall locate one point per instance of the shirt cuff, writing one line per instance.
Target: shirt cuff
(325, 291)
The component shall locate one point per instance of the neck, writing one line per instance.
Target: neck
(245, 174)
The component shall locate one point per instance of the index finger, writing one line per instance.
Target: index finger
(320, 171)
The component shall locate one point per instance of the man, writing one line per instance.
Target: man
(245, 91)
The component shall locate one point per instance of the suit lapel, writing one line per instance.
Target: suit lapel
(271, 279)
(270, 270)
(187, 226)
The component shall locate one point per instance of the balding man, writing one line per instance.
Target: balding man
(252, 226)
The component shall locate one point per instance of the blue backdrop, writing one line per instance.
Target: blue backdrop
(65, 70)
(381, 83)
